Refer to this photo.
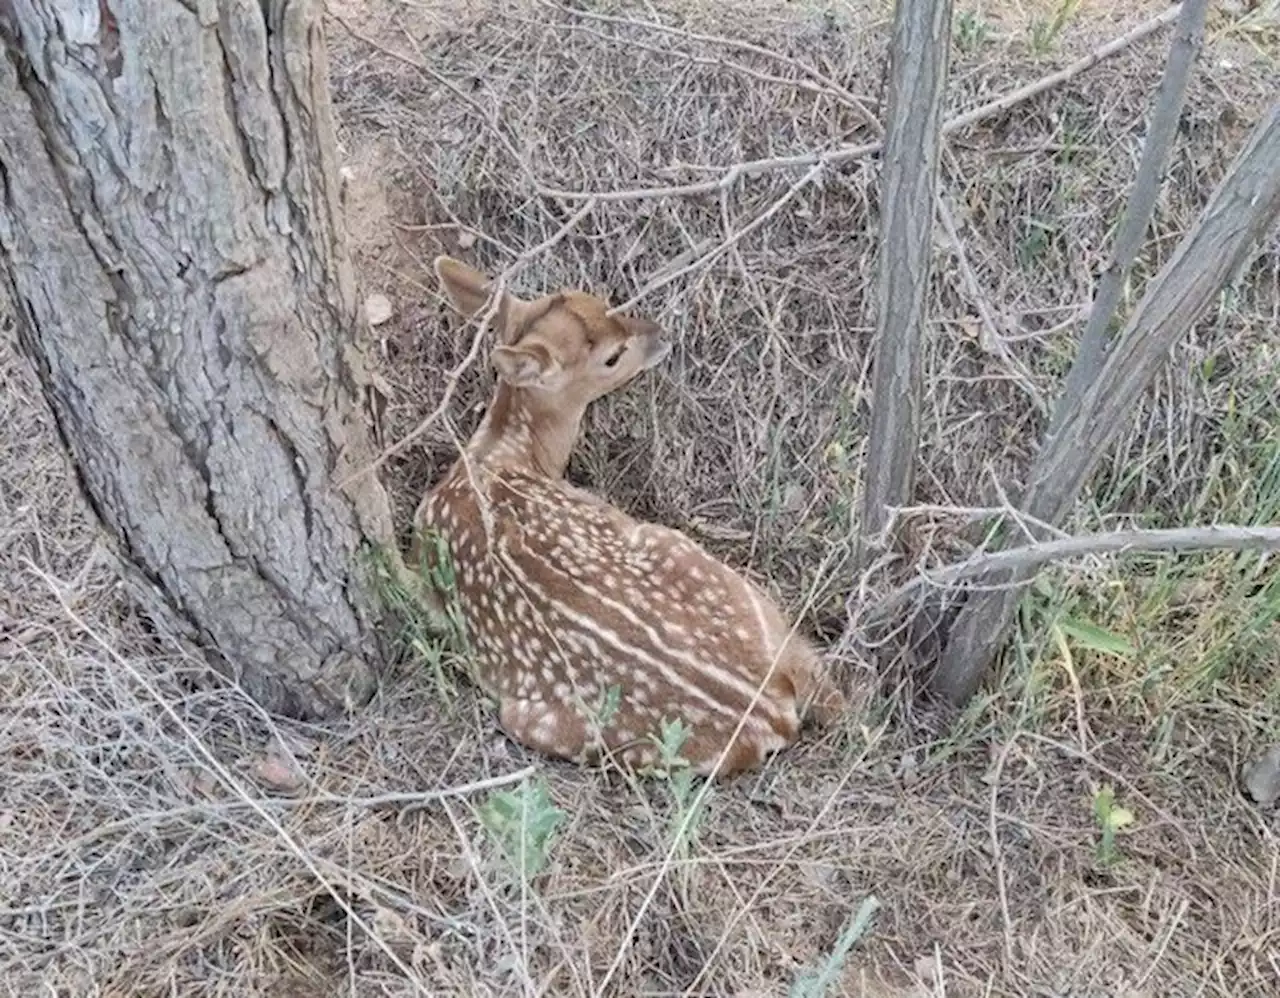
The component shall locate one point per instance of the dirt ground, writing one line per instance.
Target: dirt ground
(161, 837)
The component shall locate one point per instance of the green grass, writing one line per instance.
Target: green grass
(435, 637)
(970, 31)
(1045, 31)
(1162, 631)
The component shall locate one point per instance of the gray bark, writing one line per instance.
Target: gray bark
(919, 59)
(1240, 212)
(171, 236)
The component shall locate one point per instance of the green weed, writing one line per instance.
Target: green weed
(688, 806)
(522, 825)
(970, 31)
(818, 982)
(1110, 818)
(1045, 31)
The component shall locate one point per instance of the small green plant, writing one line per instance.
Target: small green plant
(817, 982)
(437, 571)
(971, 31)
(425, 602)
(843, 466)
(600, 714)
(522, 825)
(1035, 242)
(1110, 818)
(605, 709)
(1045, 32)
(674, 768)
(398, 590)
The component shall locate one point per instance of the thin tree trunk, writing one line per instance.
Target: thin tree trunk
(1140, 206)
(172, 240)
(1241, 211)
(919, 59)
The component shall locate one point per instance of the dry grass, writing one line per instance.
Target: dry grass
(159, 838)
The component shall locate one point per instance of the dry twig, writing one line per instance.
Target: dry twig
(845, 154)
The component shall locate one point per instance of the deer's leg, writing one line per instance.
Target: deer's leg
(818, 698)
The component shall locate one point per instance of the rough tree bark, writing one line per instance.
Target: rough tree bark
(171, 236)
(1240, 212)
(919, 59)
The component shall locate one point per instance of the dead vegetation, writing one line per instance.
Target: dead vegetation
(161, 837)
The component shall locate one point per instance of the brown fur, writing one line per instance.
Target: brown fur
(566, 597)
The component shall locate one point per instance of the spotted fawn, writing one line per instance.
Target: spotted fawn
(589, 628)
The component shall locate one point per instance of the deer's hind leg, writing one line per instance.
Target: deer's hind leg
(555, 729)
(818, 698)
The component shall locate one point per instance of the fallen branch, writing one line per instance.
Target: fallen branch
(845, 154)
(407, 802)
(1179, 539)
(1081, 65)
(731, 176)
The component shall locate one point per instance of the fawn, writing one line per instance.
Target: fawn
(591, 629)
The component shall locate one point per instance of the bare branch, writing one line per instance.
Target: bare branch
(816, 84)
(726, 180)
(668, 274)
(821, 79)
(845, 154)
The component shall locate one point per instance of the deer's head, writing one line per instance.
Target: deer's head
(564, 349)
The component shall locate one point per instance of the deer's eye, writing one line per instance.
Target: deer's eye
(613, 358)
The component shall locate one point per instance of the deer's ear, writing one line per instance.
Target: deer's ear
(640, 327)
(528, 366)
(469, 290)
(466, 287)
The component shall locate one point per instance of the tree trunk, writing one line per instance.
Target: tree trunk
(1242, 209)
(172, 240)
(919, 58)
(1141, 205)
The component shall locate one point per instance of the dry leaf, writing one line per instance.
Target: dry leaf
(377, 309)
(276, 773)
(201, 783)
(1262, 777)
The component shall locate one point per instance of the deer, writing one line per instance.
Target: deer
(589, 628)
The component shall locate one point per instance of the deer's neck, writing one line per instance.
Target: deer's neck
(521, 431)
